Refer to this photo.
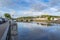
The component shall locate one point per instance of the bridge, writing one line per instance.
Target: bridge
(24, 20)
(6, 31)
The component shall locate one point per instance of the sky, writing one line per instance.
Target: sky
(18, 8)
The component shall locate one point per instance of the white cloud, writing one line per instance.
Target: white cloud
(39, 6)
(54, 9)
(36, 7)
(54, 2)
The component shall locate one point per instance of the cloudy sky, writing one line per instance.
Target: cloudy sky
(30, 7)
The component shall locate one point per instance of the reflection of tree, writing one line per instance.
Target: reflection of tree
(47, 24)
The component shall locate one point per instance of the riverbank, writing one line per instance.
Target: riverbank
(44, 21)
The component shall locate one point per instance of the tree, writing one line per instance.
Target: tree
(49, 18)
(7, 15)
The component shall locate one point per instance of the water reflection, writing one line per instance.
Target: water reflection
(45, 24)
(33, 31)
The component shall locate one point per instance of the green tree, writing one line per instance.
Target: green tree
(49, 18)
(7, 15)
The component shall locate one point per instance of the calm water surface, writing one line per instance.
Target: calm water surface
(33, 31)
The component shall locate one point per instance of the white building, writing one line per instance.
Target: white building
(40, 18)
(56, 18)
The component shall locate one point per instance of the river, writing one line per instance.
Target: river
(34, 31)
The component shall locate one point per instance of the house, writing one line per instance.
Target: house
(40, 18)
(56, 18)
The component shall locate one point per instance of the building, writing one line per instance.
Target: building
(40, 18)
(56, 18)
